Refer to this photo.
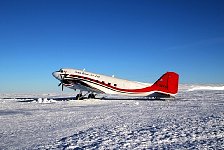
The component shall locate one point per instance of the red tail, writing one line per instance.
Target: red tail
(168, 83)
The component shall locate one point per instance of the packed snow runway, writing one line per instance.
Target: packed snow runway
(194, 120)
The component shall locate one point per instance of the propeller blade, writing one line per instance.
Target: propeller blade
(62, 79)
(62, 85)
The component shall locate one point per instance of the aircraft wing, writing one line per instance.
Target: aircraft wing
(82, 86)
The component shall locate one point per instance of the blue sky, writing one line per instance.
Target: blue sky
(132, 39)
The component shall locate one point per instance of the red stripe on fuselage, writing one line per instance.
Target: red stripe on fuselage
(142, 90)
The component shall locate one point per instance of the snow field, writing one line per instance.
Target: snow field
(195, 120)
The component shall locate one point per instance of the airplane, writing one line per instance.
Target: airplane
(165, 87)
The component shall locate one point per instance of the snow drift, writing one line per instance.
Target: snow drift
(196, 88)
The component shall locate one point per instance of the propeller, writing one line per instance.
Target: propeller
(61, 84)
(62, 81)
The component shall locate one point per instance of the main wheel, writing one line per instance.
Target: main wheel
(91, 96)
(78, 96)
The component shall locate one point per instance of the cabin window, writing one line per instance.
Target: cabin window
(115, 84)
(109, 83)
(103, 82)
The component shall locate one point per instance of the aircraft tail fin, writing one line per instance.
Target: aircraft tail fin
(167, 83)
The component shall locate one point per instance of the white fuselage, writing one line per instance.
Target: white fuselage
(92, 82)
(105, 84)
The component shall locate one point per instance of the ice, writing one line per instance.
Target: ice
(194, 120)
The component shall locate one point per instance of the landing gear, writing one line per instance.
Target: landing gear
(91, 96)
(79, 96)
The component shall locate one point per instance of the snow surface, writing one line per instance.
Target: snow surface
(194, 120)
(215, 88)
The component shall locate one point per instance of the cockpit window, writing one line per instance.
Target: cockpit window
(61, 70)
